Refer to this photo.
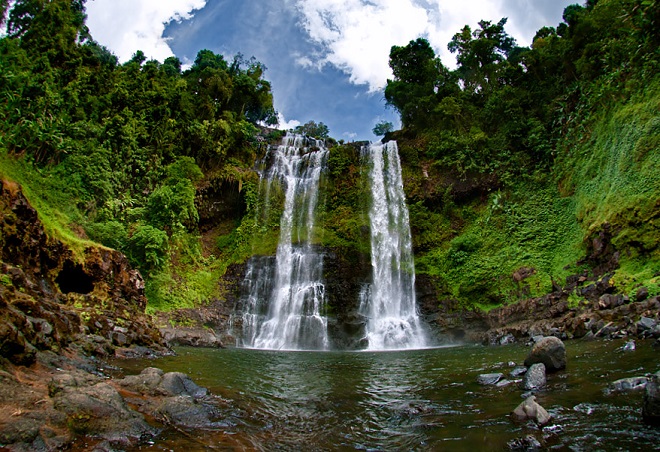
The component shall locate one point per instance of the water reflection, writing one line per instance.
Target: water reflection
(413, 400)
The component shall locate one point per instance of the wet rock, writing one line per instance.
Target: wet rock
(531, 410)
(518, 371)
(508, 339)
(144, 383)
(177, 383)
(610, 301)
(645, 326)
(100, 411)
(185, 411)
(504, 382)
(489, 379)
(549, 351)
(651, 404)
(629, 346)
(193, 337)
(534, 378)
(642, 294)
(628, 384)
(527, 443)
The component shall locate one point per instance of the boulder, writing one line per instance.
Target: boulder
(531, 410)
(645, 326)
(549, 351)
(651, 404)
(100, 411)
(186, 412)
(180, 384)
(534, 377)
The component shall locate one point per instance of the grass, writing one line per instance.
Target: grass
(50, 196)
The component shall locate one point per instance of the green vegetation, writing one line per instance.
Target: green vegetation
(520, 157)
(514, 162)
(116, 152)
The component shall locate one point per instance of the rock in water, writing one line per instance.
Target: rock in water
(531, 410)
(489, 379)
(549, 351)
(534, 377)
(628, 384)
(651, 406)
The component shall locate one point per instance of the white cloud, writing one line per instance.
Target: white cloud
(283, 124)
(125, 26)
(356, 35)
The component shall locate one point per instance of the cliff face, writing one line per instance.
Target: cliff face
(51, 298)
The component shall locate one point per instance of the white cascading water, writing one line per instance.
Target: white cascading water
(285, 299)
(389, 301)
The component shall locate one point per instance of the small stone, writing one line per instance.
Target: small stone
(629, 346)
(518, 371)
(489, 379)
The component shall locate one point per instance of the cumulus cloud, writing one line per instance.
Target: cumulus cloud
(125, 26)
(286, 124)
(356, 35)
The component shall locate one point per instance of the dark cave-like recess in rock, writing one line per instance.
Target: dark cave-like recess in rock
(73, 278)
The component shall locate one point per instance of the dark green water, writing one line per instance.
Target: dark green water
(409, 400)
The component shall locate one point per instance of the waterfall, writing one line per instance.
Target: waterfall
(389, 301)
(285, 296)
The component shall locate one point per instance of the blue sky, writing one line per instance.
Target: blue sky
(327, 60)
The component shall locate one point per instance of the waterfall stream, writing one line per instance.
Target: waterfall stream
(389, 301)
(285, 296)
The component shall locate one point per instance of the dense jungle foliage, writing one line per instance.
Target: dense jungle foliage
(520, 157)
(515, 160)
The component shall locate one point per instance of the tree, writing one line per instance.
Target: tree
(482, 54)
(313, 130)
(382, 128)
(420, 80)
(50, 27)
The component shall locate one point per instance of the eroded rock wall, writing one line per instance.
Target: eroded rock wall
(51, 297)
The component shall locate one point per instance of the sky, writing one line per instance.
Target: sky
(327, 60)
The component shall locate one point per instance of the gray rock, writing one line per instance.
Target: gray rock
(186, 412)
(100, 411)
(504, 382)
(628, 384)
(177, 383)
(508, 339)
(518, 371)
(531, 410)
(645, 325)
(629, 346)
(527, 443)
(642, 294)
(534, 378)
(489, 379)
(145, 383)
(651, 404)
(549, 351)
